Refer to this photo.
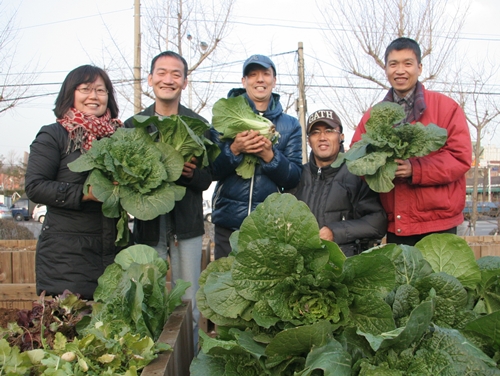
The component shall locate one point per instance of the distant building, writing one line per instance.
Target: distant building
(489, 175)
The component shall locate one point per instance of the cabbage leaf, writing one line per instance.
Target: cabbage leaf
(234, 115)
(288, 303)
(388, 138)
(184, 133)
(132, 173)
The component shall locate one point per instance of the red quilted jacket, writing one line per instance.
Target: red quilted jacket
(434, 198)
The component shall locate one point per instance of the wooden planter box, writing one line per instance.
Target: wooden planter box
(178, 333)
(18, 290)
(17, 274)
(488, 245)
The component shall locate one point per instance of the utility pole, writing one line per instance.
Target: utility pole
(137, 57)
(301, 106)
(190, 80)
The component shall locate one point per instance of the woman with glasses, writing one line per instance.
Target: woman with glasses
(347, 210)
(76, 242)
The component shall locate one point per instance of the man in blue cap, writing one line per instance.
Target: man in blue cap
(279, 166)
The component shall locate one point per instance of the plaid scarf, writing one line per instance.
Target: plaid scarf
(417, 107)
(84, 128)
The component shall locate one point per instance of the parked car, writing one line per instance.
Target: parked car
(207, 211)
(5, 212)
(484, 208)
(39, 213)
(20, 210)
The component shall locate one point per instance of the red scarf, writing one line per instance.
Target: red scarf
(84, 128)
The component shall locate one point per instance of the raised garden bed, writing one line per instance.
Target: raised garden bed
(177, 332)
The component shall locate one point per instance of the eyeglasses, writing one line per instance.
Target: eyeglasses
(327, 131)
(88, 90)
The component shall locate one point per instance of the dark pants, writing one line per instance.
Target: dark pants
(221, 239)
(413, 239)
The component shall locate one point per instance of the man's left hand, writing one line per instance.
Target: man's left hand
(267, 153)
(189, 167)
(404, 169)
(326, 234)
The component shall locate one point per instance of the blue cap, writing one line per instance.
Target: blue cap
(261, 60)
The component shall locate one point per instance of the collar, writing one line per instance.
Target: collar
(321, 171)
(419, 105)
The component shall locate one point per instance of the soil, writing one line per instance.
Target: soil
(7, 315)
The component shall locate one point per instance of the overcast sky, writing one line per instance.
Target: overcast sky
(55, 36)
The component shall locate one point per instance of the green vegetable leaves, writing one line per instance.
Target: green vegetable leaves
(132, 291)
(131, 308)
(131, 173)
(232, 116)
(184, 134)
(386, 140)
(451, 254)
(286, 303)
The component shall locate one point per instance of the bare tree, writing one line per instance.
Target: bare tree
(473, 92)
(15, 81)
(358, 32)
(195, 30)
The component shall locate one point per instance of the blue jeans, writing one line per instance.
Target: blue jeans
(185, 264)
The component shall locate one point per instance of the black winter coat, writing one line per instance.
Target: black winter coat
(186, 219)
(76, 242)
(344, 203)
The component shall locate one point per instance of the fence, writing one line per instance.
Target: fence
(17, 274)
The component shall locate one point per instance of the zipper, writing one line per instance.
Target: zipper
(176, 242)
(319, 172)
(250, 197)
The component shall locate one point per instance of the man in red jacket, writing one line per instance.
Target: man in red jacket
(429, 192)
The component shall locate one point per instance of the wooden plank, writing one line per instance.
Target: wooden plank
(5, 267)
(18, 291)
(472, 239)
(178, 333)
(206, 254)
(17, 243)
(490, 250)
(8, 243)
(23, 267)
(16, 304)
(477, 250)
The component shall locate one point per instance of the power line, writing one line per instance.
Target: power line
(307, 86)
(295, 24)
(72, 19)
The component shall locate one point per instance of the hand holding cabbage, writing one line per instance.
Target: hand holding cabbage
(144, 170)
(233, 116)
(135, 172)
(387, 140)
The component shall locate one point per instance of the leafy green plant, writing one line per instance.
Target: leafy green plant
(184, 133)
(132, 292)
(118, 338)
(387, 139)
(132, 173)
(288, 303)
(234, 115)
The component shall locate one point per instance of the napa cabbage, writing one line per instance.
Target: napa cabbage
(185, 134)
(388, 138)
(286, 302)
(132, 173)
(234, 115)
